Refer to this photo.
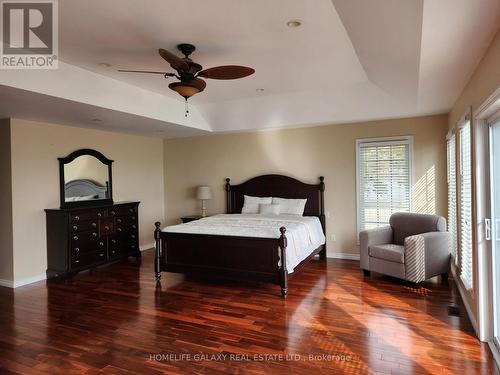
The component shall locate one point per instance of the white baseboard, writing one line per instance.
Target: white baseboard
(494, 351)
(147, 246)
(465, 301)
(17, 284)
(345, 256)
(6, 283)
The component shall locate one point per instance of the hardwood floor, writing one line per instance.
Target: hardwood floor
(117, 321)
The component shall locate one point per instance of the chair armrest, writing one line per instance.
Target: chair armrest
(426, 255)
(367, 238)
(437, 253)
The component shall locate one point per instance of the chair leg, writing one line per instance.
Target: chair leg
(366, 273)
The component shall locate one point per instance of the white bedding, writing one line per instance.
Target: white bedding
(304, 233)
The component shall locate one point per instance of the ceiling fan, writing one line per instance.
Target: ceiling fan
(190, 74)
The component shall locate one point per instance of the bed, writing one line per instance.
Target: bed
(232, 246)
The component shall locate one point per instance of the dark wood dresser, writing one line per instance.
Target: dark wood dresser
(81, 238)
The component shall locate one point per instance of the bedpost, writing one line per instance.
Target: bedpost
(283, 270)
(322, 217)
(228, 196)
(157, 251)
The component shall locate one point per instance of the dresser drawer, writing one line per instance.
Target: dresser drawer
(123, 210)
(90, 215)
(82, 238)
(126, 220)
(124, 244)
(88, 247)
(88, 259)
(84, 226)
(125, 248)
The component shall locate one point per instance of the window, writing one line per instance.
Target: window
(465, 255)
(452, 192)
(384, 180)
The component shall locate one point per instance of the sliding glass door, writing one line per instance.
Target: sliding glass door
(494, 128)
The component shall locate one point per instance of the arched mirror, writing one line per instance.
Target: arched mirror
(85, 179)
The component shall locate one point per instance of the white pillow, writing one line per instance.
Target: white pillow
(269, 209)
(251, 204)
(291, 206)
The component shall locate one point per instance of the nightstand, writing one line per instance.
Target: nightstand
(187, 219)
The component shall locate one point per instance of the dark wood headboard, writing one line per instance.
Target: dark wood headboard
(273, 185)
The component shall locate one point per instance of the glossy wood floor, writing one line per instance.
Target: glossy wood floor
(115, 320)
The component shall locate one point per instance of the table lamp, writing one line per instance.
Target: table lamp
(203, 193)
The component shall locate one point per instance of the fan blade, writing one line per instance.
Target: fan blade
(175, 62)
(226, 72)
(141, 71)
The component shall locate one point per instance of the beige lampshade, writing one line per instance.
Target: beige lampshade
(204, 192)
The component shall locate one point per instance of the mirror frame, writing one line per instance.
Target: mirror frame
(68, 159)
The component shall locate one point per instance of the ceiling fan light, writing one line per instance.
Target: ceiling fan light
(184, 89)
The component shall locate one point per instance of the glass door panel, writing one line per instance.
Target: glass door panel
(495, 213)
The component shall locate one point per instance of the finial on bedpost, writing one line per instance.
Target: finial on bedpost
(321, 183)
(228, 184)
(283, 270)
(157, 236)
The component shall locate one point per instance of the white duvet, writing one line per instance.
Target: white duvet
(304, 233)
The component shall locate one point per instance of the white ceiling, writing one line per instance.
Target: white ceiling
(351, 60)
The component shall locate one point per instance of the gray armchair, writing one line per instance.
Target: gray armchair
(415, 247)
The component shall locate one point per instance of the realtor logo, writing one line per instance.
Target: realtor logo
(29, 34)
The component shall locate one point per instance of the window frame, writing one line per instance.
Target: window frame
(464, 120)
(407, 139)
(452, 134)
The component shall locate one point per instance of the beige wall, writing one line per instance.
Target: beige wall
(305, 154)
(137, 175)
(484, 81)
(6, 258)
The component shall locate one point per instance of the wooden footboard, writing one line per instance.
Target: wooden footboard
(230, 257)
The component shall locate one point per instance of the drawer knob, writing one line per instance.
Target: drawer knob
(118, 220)
(134, 226)
(94, 234)
(101, 243)
(113, 213)
(75, 227)
(106, 227)
(77, 217)
(77, 249)
(75, 238)
(94, 225)
(119, 229)
(113, 252)
(101, 255)
(133, 236)
(99, 214)
(114, 241)
(77, 261)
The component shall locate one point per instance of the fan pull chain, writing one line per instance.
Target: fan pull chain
(186, 108)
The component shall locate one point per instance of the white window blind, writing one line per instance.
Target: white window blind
(384, 180)
(465, 255)
(452, 193)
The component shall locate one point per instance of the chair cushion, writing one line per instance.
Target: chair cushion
(389, 252)
(405, 224)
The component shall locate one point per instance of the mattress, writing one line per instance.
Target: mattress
(304, 233)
